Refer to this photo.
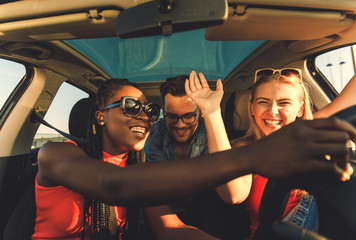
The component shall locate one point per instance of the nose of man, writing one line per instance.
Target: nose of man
(180, 123)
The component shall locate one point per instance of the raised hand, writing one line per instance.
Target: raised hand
(199, 91)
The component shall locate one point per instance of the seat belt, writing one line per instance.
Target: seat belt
(36, 118)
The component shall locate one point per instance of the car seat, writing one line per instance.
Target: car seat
(20, 225)
(236, 114)
(79, 117)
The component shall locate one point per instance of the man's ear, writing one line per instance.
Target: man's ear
(100, 118)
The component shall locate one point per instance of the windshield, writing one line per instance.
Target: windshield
(156, 58)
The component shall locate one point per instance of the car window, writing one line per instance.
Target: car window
(11, 73)
(338, 66)
(58, 114)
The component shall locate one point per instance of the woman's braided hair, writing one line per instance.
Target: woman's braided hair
(96, 213)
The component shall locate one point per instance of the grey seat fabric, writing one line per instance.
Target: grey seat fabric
(240, 118)
(236, 114)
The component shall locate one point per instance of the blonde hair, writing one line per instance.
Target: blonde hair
(254, 133)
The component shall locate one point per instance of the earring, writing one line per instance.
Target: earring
(101, 123)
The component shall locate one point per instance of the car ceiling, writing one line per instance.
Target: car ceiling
(30, 30)
(42, 33)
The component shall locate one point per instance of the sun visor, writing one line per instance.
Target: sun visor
(267, 23)
(44, 20)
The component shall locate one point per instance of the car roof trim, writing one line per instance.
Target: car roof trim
(29, 9)
(256, 23)
(348, 5)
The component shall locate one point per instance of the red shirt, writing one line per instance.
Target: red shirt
(254, 199)
(60, 211)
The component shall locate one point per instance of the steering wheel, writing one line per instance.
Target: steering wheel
(335, 202)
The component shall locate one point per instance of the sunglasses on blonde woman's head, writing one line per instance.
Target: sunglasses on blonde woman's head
(287, 72)
(132, 107)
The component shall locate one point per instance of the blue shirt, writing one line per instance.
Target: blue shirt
(160, 144)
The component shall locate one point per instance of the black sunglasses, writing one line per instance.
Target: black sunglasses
(287, 72)
(132, 107)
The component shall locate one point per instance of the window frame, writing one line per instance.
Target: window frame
(323, 82)
(17, 93)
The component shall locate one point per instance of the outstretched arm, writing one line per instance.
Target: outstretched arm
(296, 148)
(345, 99)
(208, 101)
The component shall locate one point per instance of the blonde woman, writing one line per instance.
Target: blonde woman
(278, 98)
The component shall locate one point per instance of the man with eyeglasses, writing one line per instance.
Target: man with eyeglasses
(182, 134)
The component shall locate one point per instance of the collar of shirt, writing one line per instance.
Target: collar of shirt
(198, 145)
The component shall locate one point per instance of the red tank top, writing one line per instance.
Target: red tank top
(254, 199)
(60, 211)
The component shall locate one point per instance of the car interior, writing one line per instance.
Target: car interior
(40, 34)
(22, 220)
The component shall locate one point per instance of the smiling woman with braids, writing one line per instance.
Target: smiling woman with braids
(104, 142)
(76, 188)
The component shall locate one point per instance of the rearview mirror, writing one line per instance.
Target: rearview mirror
(169, 16)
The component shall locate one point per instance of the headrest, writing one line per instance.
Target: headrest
(240, 117)
(79, 117)
(236, 114)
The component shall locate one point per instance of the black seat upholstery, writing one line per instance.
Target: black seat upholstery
(22, 221)
(79, 117)
(20, 225)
